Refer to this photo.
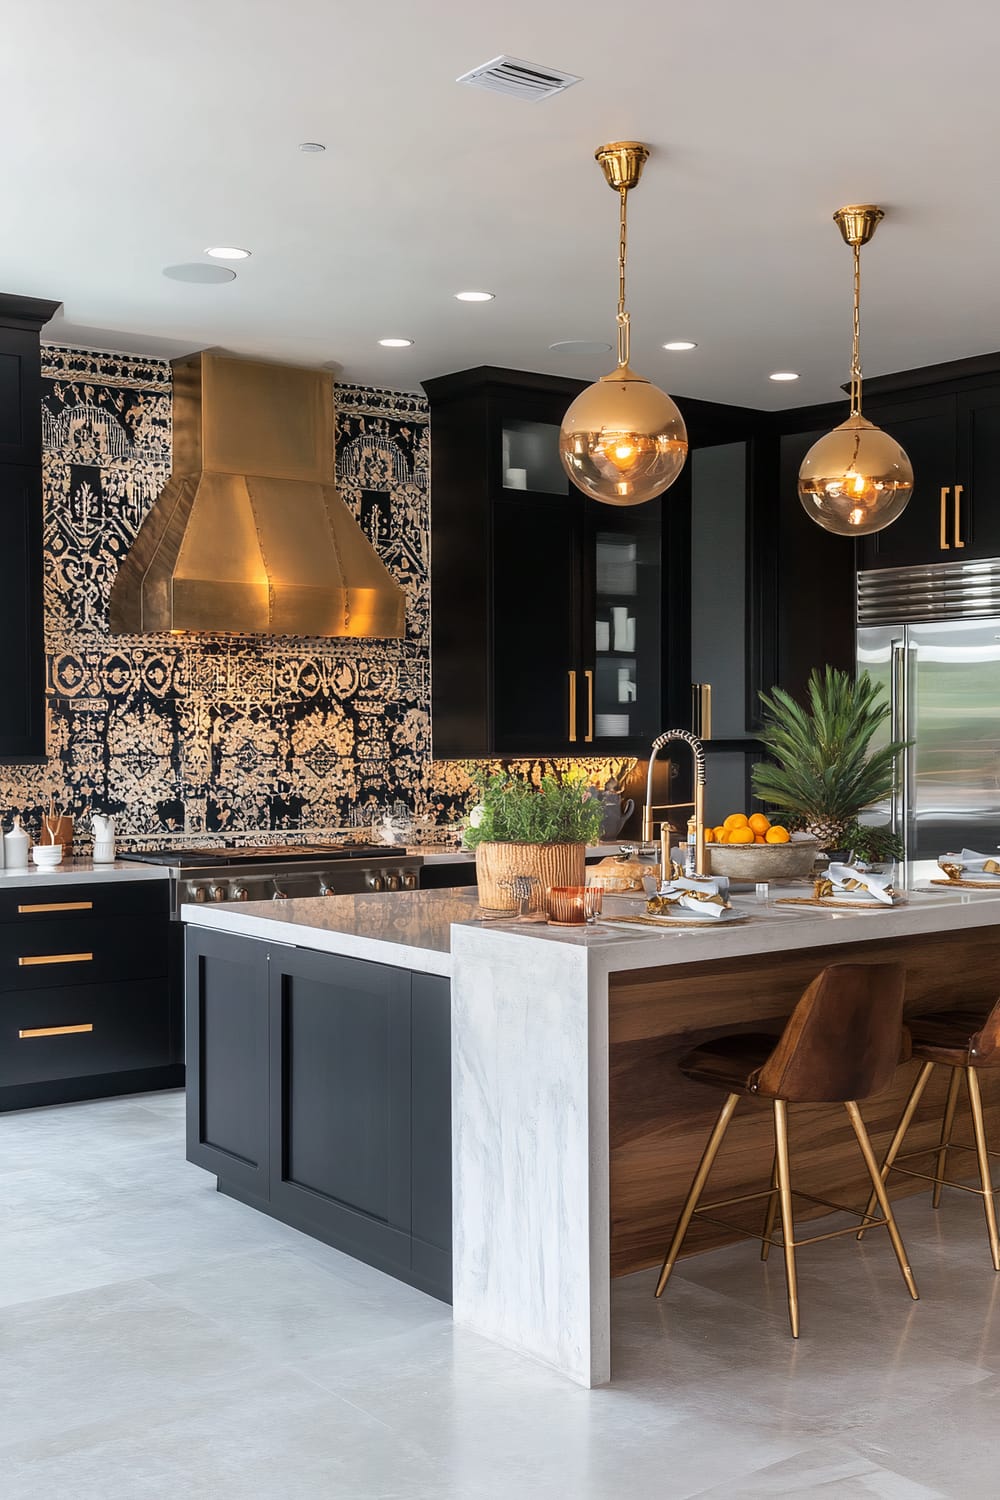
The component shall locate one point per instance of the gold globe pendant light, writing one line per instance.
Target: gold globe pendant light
(857, 479)
(623, 441)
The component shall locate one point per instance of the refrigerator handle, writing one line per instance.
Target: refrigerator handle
(899, 717)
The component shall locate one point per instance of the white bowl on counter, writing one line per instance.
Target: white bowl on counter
(47, 854)
(791, 861)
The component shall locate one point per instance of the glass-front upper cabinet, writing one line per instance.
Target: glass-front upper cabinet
(624, 688)
(529, 458)
(718, 592)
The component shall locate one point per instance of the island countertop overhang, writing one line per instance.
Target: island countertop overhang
(425, 930)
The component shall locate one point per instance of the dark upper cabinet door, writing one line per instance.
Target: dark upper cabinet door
(923, 533)
(972, 510)
(22, 664)
(539, 690)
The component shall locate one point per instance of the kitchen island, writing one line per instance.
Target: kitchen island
(573, 1137)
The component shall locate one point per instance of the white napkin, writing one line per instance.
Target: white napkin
(970, 865)
(706, 898)
(851, 884)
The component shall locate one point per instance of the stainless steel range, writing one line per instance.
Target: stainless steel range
(277, 873)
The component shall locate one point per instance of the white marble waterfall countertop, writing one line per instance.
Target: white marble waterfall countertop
(80, 872)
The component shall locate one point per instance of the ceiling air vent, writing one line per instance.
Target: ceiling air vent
(520, 79)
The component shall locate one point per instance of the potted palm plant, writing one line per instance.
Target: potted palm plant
(528, 837)
(822, 770)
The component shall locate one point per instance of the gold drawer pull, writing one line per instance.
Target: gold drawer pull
(55, 958)
(58, 906)
(958, 515)
(54, 1030)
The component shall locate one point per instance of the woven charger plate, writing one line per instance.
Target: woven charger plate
(702, 922)
(969, 885)
(828, 901)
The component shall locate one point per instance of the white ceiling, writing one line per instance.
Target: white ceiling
(140, 133)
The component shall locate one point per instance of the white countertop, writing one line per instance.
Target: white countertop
(413, 929)
(81, 872)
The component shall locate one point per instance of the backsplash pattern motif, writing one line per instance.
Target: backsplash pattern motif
(215, 735)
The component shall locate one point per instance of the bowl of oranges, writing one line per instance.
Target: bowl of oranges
(754, 848)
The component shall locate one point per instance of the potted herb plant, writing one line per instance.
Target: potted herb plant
(823, 771)
(530, 836)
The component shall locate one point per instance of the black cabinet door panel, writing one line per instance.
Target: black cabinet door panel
(22, 669)
(430, 1145)
(340, 1098)
(227, 1052)
(974, 513)
(536, 626)
(927, 431)
(83, 1030)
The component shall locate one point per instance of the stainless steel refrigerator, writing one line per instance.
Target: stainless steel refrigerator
(931, 636)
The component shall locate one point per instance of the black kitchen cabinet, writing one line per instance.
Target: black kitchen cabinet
(947, 417)
(22, 662)
(87, 1006)
(319, 1091)
(548, 618)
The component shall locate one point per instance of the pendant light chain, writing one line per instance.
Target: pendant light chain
(623, 317)
(856, 346)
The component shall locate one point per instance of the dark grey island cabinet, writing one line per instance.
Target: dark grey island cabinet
(319, 1091)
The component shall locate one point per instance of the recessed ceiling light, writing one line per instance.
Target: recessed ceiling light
(395, 343)
(197, 271)
(580, 346)
(227, 252)
(784, 375)
(312, 146)
(475, 296)
(676, 345)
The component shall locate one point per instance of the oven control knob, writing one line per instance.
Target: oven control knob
(325, 888)
(218, 893)
(241, 893)
(392, 881)
(376, 882)
(410, 880)
(199, 893)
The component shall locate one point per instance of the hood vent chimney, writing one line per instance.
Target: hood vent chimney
(249, 534)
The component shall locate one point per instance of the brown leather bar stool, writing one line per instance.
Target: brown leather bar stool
(967, 1042)
(841, 1043)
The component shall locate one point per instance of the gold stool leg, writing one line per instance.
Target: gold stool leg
(975, 1099)
(785, 1201)
(883, 1198)
(772, 1211)
(910, 1108)
(947, 1125)
(697, 1188)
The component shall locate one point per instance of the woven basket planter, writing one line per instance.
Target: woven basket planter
(501, 867)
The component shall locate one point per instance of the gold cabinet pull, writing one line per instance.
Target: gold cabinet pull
(54, 1030)
(944, 519)
(958, 516)
(56, 906)
(54, 958)
(588, 738)
(572, 707)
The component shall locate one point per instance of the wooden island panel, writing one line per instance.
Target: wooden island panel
(659, 1121)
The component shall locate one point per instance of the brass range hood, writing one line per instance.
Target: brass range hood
(249, 533)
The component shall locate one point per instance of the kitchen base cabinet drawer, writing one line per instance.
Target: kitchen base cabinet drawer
(103, 949)
(86, 1029)
(32, 905)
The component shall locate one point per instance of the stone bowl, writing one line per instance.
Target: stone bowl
(759, 862)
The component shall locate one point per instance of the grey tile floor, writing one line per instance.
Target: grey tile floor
(158, 1340)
